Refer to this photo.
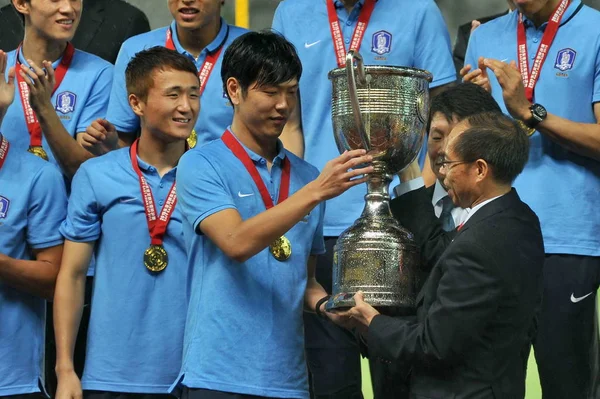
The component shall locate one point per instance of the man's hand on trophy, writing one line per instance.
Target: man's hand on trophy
(338, 174)
(362, 313)
(478, 76)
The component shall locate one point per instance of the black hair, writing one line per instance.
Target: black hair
(262, 58)
(140, 70)
(497, 139)
(462, 101)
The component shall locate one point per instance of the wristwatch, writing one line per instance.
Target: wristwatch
(538, 114)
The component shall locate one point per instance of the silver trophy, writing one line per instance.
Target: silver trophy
(384, 110)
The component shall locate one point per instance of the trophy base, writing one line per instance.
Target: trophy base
(345, 300)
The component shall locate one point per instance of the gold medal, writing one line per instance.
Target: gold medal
(529, 131)
(38, 151)
(281, 248)
(192, 139)
(156, 258)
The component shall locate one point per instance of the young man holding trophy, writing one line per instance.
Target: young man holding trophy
(253, 217)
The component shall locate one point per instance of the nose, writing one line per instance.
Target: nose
(69, 6)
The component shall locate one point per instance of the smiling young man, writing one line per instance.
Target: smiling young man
(123, 208)
(199, 33)
(550, 80)
(33, 204)
(60, 90)
(253, 218)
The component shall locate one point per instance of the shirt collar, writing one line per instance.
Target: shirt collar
(340, 4)
(257, 158)
(568, 14)
(438, 192)
(212, 46)
(146, 167)
(471, 211)
(23, 61)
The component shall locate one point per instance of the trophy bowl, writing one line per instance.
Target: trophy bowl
(384, 110)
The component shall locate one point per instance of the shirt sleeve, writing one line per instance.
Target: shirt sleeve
(83, 216)
(596, 93)
(47, 210)
(119, 112)
(432, 50)
(97, 103)
(200, 195)
(472, 55)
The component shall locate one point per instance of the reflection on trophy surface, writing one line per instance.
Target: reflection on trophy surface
(384, 110)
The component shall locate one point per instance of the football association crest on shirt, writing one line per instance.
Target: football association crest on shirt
(381, 42)
(565, 59)
(4, 203)
(65, 102)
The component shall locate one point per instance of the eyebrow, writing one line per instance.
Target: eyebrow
(180, 88)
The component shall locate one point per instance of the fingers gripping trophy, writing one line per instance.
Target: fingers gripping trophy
(384, 110)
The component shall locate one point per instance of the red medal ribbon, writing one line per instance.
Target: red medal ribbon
(207, 66)
(359, 31)
(157, 227)
(4, 146)
(530, 79)
(33, 125)
(242, 155)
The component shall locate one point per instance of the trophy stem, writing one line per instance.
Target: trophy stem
(377, 199)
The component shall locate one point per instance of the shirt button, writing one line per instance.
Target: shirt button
(348, 23)
(263, 161)
(535, 40)
(161, 185)
(160, 202)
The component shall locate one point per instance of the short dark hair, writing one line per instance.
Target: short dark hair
(140, 70)
(462, 101)
(263, 58)
(497, 139)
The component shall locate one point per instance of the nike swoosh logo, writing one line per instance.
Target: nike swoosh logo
(244, 195)
(308, 45)
(575, 300)
(125, 200)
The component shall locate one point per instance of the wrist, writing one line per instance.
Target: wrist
(64, 369)
(321, 303)
(44, 111)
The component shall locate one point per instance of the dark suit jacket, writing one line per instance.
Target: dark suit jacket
(462, 40)
(104, 26)
(475, 311)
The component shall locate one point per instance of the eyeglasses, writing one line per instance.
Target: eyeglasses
(444, 165)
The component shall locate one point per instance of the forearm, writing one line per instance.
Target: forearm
(249, 237)
(36, 277)
(314, 292)
(69, 154)
(293, 139)
(68, 306)
(580, 138)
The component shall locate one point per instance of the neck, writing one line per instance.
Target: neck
(543, 15)
(493, 192)
(349, 4)
(162, 155)
(38, 49)
(266, 148)
(196, 40)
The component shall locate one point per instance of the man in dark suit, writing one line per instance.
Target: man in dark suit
(104, 26)
(475, 311)
(447, 110)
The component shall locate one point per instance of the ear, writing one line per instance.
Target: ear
(234, 90)
(483, 169)
(137, 105)
(22, 6)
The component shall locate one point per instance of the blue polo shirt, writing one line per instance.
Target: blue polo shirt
(415, 36)
(33, 204)
(244, 330)
(81, 98)
(216, 111)
(137, 319)
(560, 186)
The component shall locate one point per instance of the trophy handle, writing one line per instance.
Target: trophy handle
(362, 78)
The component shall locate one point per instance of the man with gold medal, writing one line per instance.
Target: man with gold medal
(253, 217)
(123, 208)
(59, 90)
